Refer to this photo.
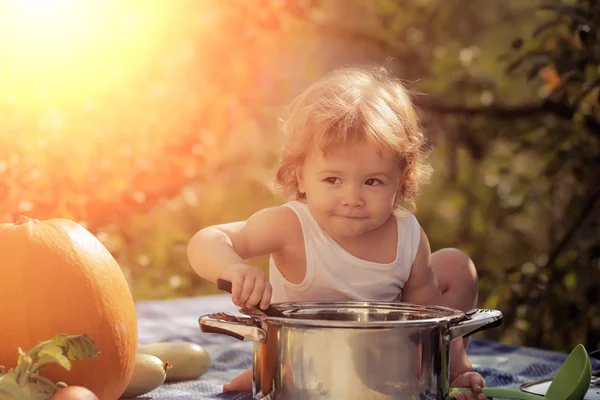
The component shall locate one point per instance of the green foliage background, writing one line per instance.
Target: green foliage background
(508, 94)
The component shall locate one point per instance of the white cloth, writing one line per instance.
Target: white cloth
(333, 274)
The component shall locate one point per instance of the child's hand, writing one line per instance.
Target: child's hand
(469, 379)
(249, 285)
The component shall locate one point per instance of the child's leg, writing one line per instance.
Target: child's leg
(458, 281)
(457, 278)
(241, 383)
(267, 367)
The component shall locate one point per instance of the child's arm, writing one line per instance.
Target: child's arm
(422, 285)
(219, 252)
(422, 288)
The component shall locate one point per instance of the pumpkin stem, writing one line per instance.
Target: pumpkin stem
(24, 219)
(46, 382)
(33, 353)
(23, 368)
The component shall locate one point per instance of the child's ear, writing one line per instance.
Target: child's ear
(300, 179)
(403, 177)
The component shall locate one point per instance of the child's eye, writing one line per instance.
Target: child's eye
(333, 180)
(373, 182)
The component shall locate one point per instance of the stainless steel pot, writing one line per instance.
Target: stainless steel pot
(351, 350)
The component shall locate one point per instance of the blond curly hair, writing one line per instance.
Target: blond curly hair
(348, 106)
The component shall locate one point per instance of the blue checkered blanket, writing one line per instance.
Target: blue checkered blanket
(172, 320)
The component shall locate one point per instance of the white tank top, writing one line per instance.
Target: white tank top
(333, 274)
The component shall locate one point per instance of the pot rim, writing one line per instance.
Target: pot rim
(440, 314)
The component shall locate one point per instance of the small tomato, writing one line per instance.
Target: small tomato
(74, 393)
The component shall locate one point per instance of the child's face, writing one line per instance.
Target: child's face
(352, 190)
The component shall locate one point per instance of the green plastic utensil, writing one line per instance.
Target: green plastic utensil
(571, 382)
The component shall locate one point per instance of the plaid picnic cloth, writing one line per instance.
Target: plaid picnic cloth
(173, 320)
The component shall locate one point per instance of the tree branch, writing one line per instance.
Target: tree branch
(497, 110)
(525, 110)
(592, 198)
(587, 209)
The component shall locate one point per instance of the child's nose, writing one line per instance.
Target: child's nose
(353, 197)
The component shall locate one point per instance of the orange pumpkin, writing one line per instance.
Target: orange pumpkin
(56, 277)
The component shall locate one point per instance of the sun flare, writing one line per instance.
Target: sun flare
(67, 50)
(41, 10)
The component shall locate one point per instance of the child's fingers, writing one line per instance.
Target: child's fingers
(459, 396)
(266, 296)
(236, 290)
(256, 294)
(477, 382)
(472, 396)
(247, 288)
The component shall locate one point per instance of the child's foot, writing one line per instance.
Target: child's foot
(241, 383)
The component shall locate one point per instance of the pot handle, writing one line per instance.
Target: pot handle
(227, 324)
(472, 322)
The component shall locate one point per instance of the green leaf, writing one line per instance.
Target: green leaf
(75, 347)
(54, 354)
(60, 349)
(570, 281)
(546, 25)
(574, 12)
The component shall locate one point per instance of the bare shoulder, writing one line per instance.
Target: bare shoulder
(275, 218)
(282, 214)
(280, 219)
